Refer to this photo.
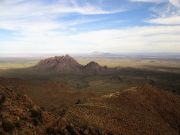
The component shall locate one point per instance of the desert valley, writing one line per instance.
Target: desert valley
(58, 95)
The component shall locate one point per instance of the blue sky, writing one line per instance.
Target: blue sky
(84, 26)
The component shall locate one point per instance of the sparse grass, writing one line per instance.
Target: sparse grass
(13, 63)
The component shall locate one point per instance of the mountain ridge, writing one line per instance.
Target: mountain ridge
(67, 64)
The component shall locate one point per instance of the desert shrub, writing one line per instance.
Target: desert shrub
(18, 125)
(36, 116)
(8, 126)
(71, 129)
(50, 131)
(2, 98)
(78, 102)
(62, 112)
(54, 131)
(110, 133)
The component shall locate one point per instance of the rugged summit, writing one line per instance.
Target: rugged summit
(67, 64)
(62, 64)
(93, 67)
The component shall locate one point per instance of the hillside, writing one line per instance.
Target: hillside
(143, 110)
(138, 110)
(19, 115)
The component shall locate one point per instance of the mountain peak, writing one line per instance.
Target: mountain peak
(67, 64)
(93, 67)
(59, 60)
(64, 64)
(67, 56)
(92, 63)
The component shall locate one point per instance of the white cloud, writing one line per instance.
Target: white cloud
(149, 1)
(23, 15)
(136, 39)
(172, 20)
(35, 23)
(175, 2)
(167, 14)
(20, 9)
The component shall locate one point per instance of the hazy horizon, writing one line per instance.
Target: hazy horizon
(95, 55)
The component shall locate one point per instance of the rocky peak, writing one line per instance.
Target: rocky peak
(59, 60)
(93, 67)
(61, 64)
(67, 64)
(93, 64)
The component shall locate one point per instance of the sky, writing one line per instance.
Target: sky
(85, 26)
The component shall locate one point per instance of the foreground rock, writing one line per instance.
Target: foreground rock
(20, 116)
(142, 110)
(16, 116)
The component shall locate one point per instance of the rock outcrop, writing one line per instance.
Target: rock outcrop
(67, 64)
(20, 116)
(60, 64)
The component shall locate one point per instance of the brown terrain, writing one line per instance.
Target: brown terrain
(141, 110)
(38, 106)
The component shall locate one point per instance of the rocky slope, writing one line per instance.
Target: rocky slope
(93, 67)
(61, 64)
(142, 110)
(20, 116)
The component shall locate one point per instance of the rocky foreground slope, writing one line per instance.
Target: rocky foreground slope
(137, 111)
(20, 116)
(142, 110)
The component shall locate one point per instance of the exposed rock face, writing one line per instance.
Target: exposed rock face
(67, 64)
(93, 67)
(17, 115)
(61, 64)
